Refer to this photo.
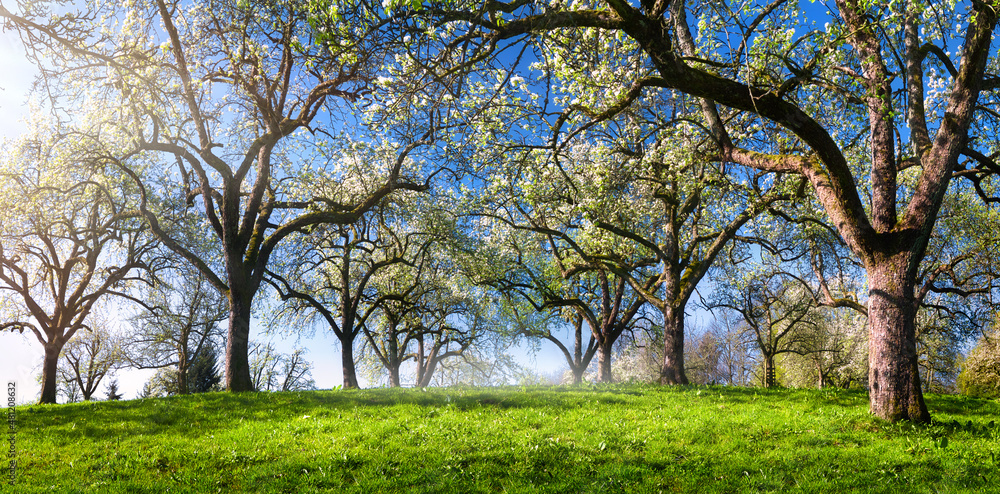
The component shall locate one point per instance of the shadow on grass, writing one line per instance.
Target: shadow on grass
(964, 406)
(203, 414)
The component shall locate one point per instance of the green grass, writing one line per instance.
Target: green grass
(621, 438)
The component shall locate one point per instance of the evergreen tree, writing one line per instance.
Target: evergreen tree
(113, 391)
(204, 373)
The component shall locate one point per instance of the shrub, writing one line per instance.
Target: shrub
(980, 374)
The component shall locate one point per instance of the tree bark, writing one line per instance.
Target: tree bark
(604, 361)
(394, 376)
(893, 378)
(672, 370)
(347, 361)
(393, 358)
(769, 377)
(237, 344)
(578, 369)
(425, 379)
(182, 374)
(49, 370)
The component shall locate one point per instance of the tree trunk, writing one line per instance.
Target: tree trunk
(393, 358)
(672, 371)
(894, 381)
(429, 372)
(420, 362)
(394, 373)
(238, 344)
(604, 361)
(182, 369)
(347, 361)
(49, 369)
(577, 374)
(769, 378)
(428, 363)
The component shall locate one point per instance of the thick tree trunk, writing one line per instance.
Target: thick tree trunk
(238, 344)
(577, 375)
(347, 362)
(893, 378)
(394, 374)
(49, 369)
(394, 360)
(604, 361)
(672, 371)
(769, 377)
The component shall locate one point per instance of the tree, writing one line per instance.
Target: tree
(832, 108)
(639, 356)
(553, 270)
(427, 313)
(938, 352)
(177, 325)
(335, 271)
(221, 102)
(579, 154)
(275, 371)
(88, 358)
(69, 239)
(71, 391)
(703, 355)
(980, 374)
(834, 354)
(113, 391)
(203, 375)
(738, 357)
(778, 313)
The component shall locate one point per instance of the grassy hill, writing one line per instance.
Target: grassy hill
(621, 438)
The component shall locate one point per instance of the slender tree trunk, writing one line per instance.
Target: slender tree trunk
(578, 344)
(49, 370)
(238, 343)
(420, 362)
(672, 371)
(578, 368)
(347, 320)
(182, 379)
(429, 365)
(393, 357)
(429, 372)
(893, 378)
(182, 369)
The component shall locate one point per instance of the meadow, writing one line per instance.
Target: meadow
(614, 438)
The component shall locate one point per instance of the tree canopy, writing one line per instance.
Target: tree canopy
(594, 158)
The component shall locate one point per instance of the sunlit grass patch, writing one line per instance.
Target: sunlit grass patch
(620, 438)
